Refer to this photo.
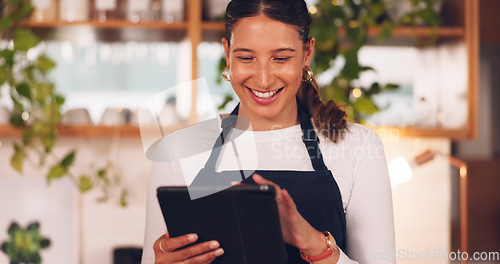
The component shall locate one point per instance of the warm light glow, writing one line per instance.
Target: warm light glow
(399, 171)
(0, 143)
(353, 24)
(25, 115)
(336, 2)
(313, 10)
(356, 92)
(463, 171)
(440, 117)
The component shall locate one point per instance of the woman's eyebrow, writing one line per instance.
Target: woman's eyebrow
(242, 50)
(284, 49)
(276, 50)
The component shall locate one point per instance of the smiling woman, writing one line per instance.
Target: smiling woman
(334, 199)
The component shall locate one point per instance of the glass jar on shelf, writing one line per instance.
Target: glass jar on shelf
(45, 10)
(156, 10)
(172, 11)
(73, 10)
(138, 10)
(105, 10)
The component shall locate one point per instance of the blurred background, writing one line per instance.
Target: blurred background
(77, 166)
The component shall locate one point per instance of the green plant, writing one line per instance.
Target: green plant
(355, 18)
(37, 105)
(24, 245)
(340, 28)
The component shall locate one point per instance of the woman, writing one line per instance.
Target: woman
(337, 182)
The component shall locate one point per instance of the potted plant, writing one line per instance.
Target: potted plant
(24, 244)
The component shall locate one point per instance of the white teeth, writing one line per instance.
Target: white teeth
(264, 95)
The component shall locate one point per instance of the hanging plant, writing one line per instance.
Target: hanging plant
(37, 105)
(355, 18)
(341, 28)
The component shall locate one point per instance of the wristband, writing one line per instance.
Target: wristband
(330, 249)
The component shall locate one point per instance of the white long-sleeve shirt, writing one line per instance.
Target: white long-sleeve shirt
(357, 163)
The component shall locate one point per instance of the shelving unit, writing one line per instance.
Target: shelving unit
(111, 24)
(461, 23)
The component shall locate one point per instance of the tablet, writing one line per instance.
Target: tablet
(243, 218)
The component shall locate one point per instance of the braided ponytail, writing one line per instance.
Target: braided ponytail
(329, 119)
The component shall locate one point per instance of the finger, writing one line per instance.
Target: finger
(233, 183)
(261, 180)
(192, 252)
(171, 244)
(205, 258)
(287, 199)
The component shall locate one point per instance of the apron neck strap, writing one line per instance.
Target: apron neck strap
(309, 137)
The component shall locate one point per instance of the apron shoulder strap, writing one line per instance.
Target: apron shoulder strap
(309, 137)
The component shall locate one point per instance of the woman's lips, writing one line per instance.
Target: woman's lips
(266, 97)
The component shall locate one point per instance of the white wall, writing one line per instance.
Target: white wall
(422, 206)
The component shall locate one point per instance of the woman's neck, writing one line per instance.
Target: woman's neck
(287, 118)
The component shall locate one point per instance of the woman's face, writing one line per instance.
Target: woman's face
(266, 58)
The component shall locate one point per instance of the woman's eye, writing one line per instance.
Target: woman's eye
(245, 59)
(282, 59)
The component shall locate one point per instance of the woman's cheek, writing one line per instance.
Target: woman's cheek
(240, 73)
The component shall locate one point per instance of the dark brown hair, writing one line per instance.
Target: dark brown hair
(328, 118)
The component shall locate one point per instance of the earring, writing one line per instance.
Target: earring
(224, 74)
(307, 74)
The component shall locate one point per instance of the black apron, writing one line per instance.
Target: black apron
(315, 193)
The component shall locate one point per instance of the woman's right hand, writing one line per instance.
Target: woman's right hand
(167, 250)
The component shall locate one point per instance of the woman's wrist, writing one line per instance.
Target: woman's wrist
(325, 252)
(315, 245)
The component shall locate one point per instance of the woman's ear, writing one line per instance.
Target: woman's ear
(309, 52)
(225, 43)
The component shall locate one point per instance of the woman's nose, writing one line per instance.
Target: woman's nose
(264, 76)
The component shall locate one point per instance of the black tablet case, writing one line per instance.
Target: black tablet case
(244, 219)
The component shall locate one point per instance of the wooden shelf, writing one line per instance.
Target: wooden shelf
(93, 131)
(116, 24)
(134, 131)
(407, 132)
(443, 32)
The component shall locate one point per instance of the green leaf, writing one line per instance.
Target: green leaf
(365, 105)
(24, 39)
(123, 198)
(8, 55)
(17, 160)
(101, 174)
(351, 68)
(68, 160)
(3, 76)
(45, 64)
(44, 92)
(56, 172)
(227, 99)
(16, 120)
(390, 86)
(374, 89)
(6, 22)
(28, 137)
(23, 89)
(59, 100)
(48, 138)
(385, 31)
(85, 184)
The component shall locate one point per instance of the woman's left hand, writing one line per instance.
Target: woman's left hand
(296, 230)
